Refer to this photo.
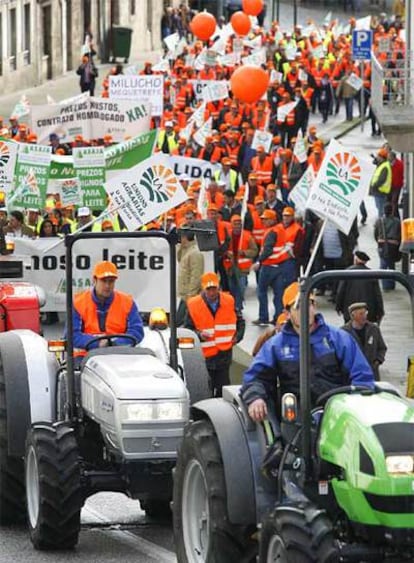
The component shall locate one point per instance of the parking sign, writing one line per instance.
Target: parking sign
(361, 44)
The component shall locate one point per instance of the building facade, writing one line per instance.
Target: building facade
(42, 39)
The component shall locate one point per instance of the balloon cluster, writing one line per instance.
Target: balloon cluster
(248, 83)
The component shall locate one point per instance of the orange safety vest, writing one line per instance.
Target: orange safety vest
(263, 169)
(221, 326)
(244, 263)
(233, 154)
(258, 227)
(283, 247)
(116, 320)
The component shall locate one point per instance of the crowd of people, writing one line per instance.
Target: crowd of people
(247, 199)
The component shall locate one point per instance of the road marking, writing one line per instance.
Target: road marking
(146, 547)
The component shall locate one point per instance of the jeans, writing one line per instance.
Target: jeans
(278, 278)
(349, 108)
(387, 264)
(237, 287)
(380, 201)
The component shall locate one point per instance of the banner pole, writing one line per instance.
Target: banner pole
(315, 249)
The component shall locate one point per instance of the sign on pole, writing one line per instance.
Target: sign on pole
(361, 44)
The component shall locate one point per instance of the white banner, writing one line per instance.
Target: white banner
(8, 156)
(257, 58)
(300, 150)
(172, 41)
(143, 264)
(263, 138)
(195, 168)
(70, 191)
(93, 118)
(300, 192)
(215, 90)
(145, 191)
(205, 130)
(283, 110)
(340, 186)
(354, 81)
(143, 89)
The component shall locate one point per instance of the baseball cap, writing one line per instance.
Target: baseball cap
(355, 306)
(84, 212)
(107, 224)
(288, 211)
(209, 279)
(269, 214)
(105, 269)
(383, 153)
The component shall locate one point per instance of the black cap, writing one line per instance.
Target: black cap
(363, 256)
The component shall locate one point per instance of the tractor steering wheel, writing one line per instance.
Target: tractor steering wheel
(110, 338)
(321, 400)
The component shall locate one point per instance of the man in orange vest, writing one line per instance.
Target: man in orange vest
(104, 310)
(212, 315)
(239, 259)
(262, 166)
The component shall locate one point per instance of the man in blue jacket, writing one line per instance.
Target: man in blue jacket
(336, 360)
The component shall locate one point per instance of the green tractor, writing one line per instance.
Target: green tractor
(344, 489)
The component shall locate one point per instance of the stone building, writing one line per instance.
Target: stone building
(42, 39)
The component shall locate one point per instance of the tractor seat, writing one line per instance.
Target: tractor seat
(117, 350)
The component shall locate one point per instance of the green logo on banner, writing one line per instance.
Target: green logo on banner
(160, 183)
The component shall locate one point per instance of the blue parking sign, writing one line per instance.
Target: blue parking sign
(361, 44)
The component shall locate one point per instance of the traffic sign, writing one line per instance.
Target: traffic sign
(361, 44)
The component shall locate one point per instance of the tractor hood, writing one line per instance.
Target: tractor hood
(134, 377)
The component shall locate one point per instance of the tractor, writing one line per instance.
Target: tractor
(343, 489)
(112, 422)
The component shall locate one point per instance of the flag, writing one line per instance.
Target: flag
(29, 186)
(340, 186)
(202, 203)
(299, 150)
(145, 191)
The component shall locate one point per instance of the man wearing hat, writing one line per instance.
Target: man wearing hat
(213, 316)
(337, 359)
(368, 336)
(381, 181)
(104, 310)
(84, 216)
(262, 166)
(227, 175)
(357, 291)
(167, 141)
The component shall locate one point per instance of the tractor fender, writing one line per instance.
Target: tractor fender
(30, 381)
(235, 452)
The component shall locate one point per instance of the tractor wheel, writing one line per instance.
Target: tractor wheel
(53, 487)
(197, 378)
(202, 531)
(158, 509)
(12, 494)
(297, 535)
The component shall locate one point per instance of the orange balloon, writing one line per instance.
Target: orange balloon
(240, 22)
(203, 25)
(249, 83)
(252, 7)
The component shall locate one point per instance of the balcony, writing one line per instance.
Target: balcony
(392, 100)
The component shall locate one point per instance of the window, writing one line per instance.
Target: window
(26, 34)
(132, 7)
(12, 39)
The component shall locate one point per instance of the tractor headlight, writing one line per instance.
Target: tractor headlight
(154, 411)
(400, 464)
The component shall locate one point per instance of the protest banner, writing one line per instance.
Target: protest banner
(162, 66)
(31, 176)
(70, 192)
(171, 41)
(142, 263)
(195, 168)
(215, 90)
(354, 81)
(8, 157)
(299, 194)
(205, 130)
(300, 149)
(127, 154)
(143, 89)
(61, 168)
(263, 138)
(93, 118)
(257, 58)
(283, 110)
(22, 108)
(89, 166)
(145, 191)
(340, 186)
(198, 115)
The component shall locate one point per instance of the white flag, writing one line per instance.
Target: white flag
(340, 186)
(145, 191)
(299, 149)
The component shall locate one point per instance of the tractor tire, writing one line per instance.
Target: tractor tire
(197, 378)
(12, 493)
(157, 509)
(202, 530)
(297, 535)
(53, 486)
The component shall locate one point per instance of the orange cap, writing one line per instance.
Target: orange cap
(105, 269)
(288, 211)
(269, 214)
(383, 153)
(290, 294)
(209, 279)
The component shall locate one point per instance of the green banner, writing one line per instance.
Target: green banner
(89, 165)
(123, 156)
(31, 176)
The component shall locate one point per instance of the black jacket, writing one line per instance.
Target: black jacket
(357, 291)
